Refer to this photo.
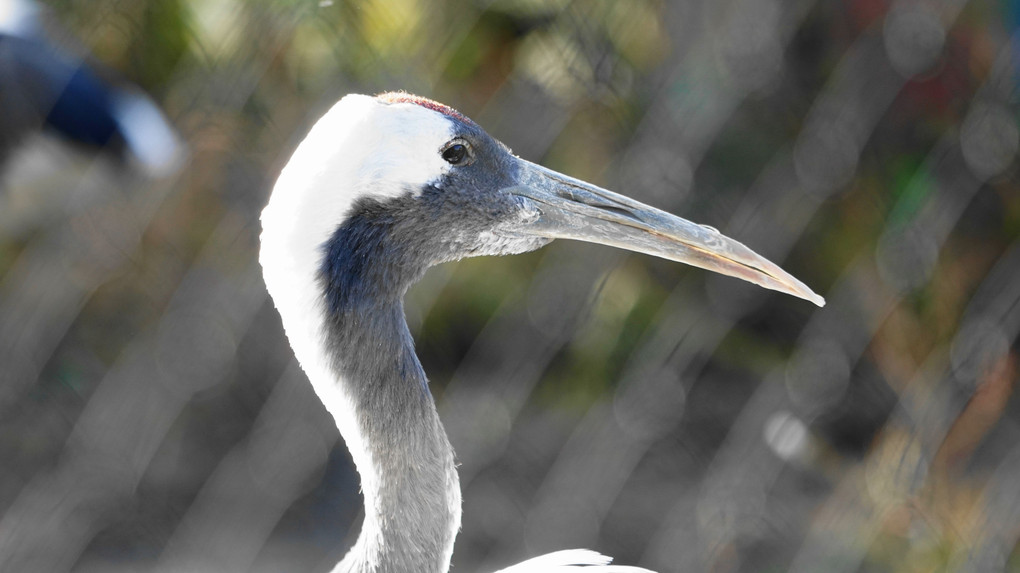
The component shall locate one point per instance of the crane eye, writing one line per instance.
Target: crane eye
(457, 152)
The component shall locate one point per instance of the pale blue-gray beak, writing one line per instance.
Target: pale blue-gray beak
(573, 209)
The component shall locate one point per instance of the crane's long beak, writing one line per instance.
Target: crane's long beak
(573, 209)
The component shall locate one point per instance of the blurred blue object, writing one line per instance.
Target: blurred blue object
(45, 88)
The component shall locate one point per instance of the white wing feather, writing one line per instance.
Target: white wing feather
(571, 561)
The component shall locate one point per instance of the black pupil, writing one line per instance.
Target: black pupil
(455, 153)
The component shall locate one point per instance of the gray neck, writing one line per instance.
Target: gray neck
(341, 304)
(409, 480)
(412, 497)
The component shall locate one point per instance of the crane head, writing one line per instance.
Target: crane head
(390, 185)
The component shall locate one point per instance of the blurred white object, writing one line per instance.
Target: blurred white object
(50, 88)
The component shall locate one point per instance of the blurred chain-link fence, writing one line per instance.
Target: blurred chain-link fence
(152, 416)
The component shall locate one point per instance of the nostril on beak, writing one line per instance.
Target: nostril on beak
(619, 211)
(585, 198)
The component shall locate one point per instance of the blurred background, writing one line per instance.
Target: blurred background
(152, 417)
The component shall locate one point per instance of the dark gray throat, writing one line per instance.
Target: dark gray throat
(373, 355)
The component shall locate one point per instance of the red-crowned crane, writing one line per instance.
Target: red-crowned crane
(381, 189)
